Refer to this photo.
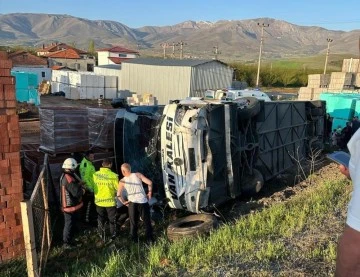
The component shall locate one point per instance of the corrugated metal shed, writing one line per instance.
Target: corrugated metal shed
(108, 70)
(169, 79)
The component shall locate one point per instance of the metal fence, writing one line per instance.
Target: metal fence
(37, 219)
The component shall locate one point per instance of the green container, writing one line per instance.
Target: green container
(22, 95)
(25, 80)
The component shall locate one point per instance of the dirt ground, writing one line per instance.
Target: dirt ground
(282, 188)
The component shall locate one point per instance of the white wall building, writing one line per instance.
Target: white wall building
(115, 55)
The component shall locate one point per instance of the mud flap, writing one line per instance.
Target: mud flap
(202, 199)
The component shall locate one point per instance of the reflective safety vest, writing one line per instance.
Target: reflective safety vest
(87, 171)
(106, 184)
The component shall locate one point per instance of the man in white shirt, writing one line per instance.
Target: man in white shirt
(348, 254)
(137, 200)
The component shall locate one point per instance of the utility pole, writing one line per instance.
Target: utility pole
(173, 49)
(329, 40)
(216, 51)
(263, 25)
(164, 45)
(181, 43)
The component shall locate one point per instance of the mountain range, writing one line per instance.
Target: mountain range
(234, 39)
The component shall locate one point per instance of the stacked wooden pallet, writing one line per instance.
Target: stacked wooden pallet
(318, 80)
(101, 127)
(146, 99)
(63, 130)
(11, 183)
(351, 65)
(340, 80)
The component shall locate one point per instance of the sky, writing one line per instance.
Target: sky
(330, 14)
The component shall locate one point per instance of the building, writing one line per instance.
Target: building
(62, 54)
(26, 62)
(115, 55)
(169, 79)
(72, 59)
(54, 47)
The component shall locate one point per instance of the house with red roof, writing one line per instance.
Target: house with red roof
(65, 55)
(115, 55)
(24, 61)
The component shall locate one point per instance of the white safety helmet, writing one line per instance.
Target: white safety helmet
(70, 163)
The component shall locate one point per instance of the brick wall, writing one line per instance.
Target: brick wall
(11, 236)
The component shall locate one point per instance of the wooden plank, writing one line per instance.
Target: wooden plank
(29, 238)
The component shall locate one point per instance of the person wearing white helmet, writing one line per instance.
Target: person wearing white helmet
(71, 192)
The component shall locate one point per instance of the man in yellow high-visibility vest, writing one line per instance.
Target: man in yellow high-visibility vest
(87, 171)
(105, 187)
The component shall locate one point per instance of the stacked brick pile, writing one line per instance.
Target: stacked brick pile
(11, 236)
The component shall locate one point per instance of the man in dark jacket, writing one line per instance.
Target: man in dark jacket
(71, 192)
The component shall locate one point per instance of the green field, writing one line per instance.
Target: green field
(310, 62)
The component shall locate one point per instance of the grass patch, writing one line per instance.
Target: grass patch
(294, 238)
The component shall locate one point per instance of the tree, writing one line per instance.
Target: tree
(287, 77)
(91, 49)
(268, 77)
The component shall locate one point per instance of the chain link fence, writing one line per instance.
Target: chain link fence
(38, 221)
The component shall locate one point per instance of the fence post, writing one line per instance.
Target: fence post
(29, 238)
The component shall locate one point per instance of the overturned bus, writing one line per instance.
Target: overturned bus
(212, 152)
(200, 153)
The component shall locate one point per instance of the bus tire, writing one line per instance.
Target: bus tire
(191, 226)
(252, 109)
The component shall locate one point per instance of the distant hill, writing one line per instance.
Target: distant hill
(236, 39)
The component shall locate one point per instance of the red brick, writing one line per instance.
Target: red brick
(5, 64)
(10, 111)
(15, 134)
(10, 190)
(10, 223)
(14, 141)
(9, 92)
(3, 119)
(4, 167)
(2, 191)
(16, 198)
(3, 55)
(12, 155)
(14, 161)
(15, 169)
(6, 148)
(5, 72)
(7, 80)
(5, 178)
(5, 163)
(10, 104)
(4, 198)
(13, 119)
